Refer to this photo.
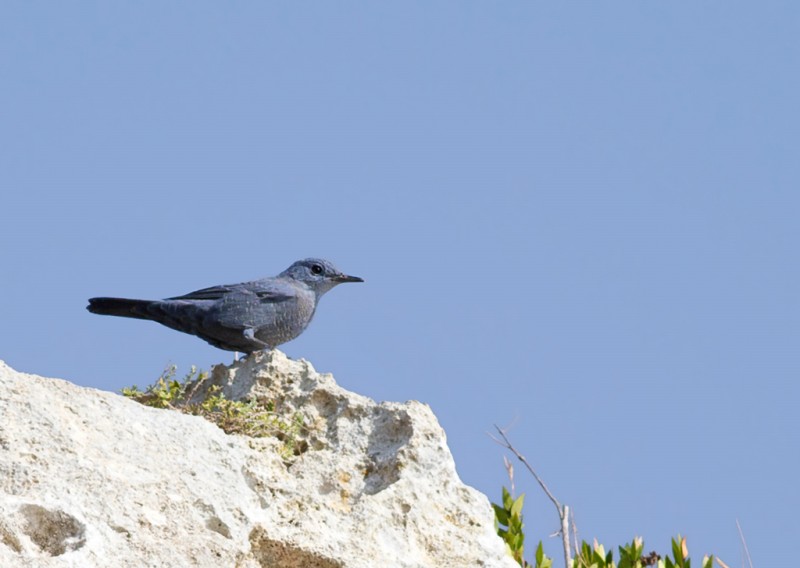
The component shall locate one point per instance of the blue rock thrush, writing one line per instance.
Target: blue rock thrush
(245, 317)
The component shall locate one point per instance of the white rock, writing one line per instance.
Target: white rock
(90, 478)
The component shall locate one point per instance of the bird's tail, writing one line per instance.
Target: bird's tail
(122, 307)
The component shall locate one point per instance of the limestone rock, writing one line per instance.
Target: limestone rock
(90, 478)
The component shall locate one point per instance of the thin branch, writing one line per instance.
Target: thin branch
(574, 533)
(563, 511)
(565, 536)
(507, 445)
(744, 544)
(510, 471)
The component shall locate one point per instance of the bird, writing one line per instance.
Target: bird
(251, 316)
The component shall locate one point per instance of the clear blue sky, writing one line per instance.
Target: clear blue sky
(582, 217)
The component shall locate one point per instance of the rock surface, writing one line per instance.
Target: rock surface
(90, 478)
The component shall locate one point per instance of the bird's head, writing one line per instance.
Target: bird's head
(318, 274)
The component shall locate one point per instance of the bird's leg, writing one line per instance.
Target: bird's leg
(250, 334)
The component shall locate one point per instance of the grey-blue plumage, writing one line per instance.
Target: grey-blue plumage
(245, 317)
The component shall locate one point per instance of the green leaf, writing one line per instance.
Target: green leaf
(600, 551)
(676, 550)
(500, 514)
(516, 507)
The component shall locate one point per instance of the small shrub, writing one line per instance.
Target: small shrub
(632, 555)
(247, 418)
(508, 522)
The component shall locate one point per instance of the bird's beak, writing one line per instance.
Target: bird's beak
(346, 278)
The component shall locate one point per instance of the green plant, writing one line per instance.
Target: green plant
(167, 391)
(631, 556)
(247, 418)
(542, 561)
(508, 523)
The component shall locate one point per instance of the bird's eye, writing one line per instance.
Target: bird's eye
(316, 269)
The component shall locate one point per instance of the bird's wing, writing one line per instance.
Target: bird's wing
(212, 293)
(252, 305)
(265, 293)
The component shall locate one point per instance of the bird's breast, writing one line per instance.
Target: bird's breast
(289, 319)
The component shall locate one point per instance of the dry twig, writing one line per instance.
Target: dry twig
(563, 510)
(744, 544)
